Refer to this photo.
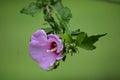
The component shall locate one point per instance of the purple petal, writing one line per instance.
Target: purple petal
(59, 56)
(47, 60)
(40, 36)
(37, 51)
(58, 42)
(38, 44)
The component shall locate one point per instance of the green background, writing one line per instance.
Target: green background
(91, 16)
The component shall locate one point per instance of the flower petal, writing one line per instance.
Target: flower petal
(40, 36)
(59, 56)
(47, 60)
(37, 51)
(38, 44)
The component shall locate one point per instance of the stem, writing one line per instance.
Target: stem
(48, 10)
(50, 19)
(58, 28)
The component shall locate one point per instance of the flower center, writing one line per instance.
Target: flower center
(53, 47)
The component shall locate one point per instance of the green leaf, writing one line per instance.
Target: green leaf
(67, 38)
(57, 63)
(58, 5)
(92, 39)
(76, 32)
(55, 66)
(48, 30)
(64, 58)
(86, 42)
(80, 38)
(33, 9)
(64, 12)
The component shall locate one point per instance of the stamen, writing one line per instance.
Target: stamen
(52, 50)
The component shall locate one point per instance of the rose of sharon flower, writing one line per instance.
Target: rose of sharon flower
(45, 49)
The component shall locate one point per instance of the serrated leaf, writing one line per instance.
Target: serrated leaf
(76, 32)
(67, 38)
(92, 39)
(80, 38)
(58, 5)
(88, 42)
(64, 12)
(33, 9)
(88, 47)
(48, 30)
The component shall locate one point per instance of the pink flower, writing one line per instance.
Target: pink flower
(45, 49)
